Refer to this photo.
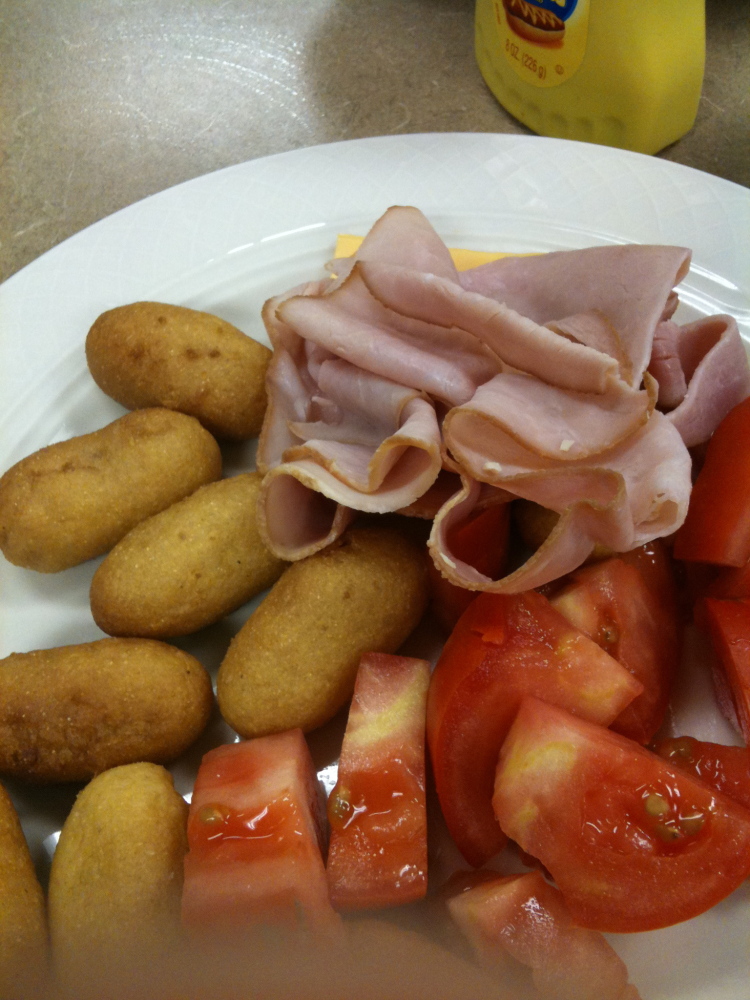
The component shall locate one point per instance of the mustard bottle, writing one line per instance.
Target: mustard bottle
(624, 73)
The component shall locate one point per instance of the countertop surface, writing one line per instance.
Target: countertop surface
(104, 102)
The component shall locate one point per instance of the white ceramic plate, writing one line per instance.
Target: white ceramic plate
(227, 241)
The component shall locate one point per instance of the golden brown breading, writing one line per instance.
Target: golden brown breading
(23, 924)
(151, 354)
(294, 661)
(74, 500)
(116, 879)
(188, 566)
(71, 712)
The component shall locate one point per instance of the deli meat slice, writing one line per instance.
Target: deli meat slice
(702, 372)
(630, 285)
(620, 498)
(516, 340)
(402, 236)
(367, 444)
(399, 385)
(449, 364)
(522, 424)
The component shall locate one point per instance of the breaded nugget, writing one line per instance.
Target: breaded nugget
(294, 661)
(188, 566)
(71, 712)
(23, 924)
(116, 880)
(74, 500)
(151, 354)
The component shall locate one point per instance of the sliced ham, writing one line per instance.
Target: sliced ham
(401, 236)
(631, 285)
(593, 329)
(296, 517)
(624, 497)
(666, 367)
(351, 324)
(400, 385)
(380, 453)
(518, 422)
(702, 372)
(515, 339)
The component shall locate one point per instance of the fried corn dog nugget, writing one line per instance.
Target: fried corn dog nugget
(71, 712)
(188, 566)
(294, 661)
(116, 880)
(150, 354)
(23, 923)
(74, 500)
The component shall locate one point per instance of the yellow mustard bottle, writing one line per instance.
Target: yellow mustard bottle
(624, 73)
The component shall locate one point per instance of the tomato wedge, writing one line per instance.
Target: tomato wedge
(525, 917)
(717, 526)
(730, 582)
(378, 850)
(725, 768)
(254, 838)
(629, 608)
(632, 842)
(482, 542)
(729, 627)
(506, 646)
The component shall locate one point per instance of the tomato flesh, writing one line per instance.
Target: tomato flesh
(717, 526)
(729, 627)
(525, 917)
(378, 850)
(254, 837)
(730, 582)
(630, 610)
(504, 647)
(725, 768)
(633, 843)
(482, 542)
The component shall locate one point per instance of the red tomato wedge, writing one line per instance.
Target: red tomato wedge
(378, 850)
(637, 623)
(482, 542)
(717, 526)
(633, 843)
(525, 917)
(729, 627)
(254, 836)
(730, 583)
(725, 768)
(505, 647)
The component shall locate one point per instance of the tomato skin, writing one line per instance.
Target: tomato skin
(377, 811)
(728, 623)
(254, 838)
(525, 917)
(717, 526)
(730, 583)
(633, 843)
(628, 606)
(722, 767)
(482, 542)
(503, 647)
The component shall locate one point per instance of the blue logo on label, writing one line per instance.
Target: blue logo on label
(563, 8)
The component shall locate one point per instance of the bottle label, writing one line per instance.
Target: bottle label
(543, 40)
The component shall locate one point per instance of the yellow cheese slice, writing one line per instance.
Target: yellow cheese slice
(347, 244)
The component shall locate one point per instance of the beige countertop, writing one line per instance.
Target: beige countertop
(105, 101)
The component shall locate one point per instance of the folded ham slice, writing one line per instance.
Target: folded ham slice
(630, 285)
(624, 497)
(702, 372)
(397, 378)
